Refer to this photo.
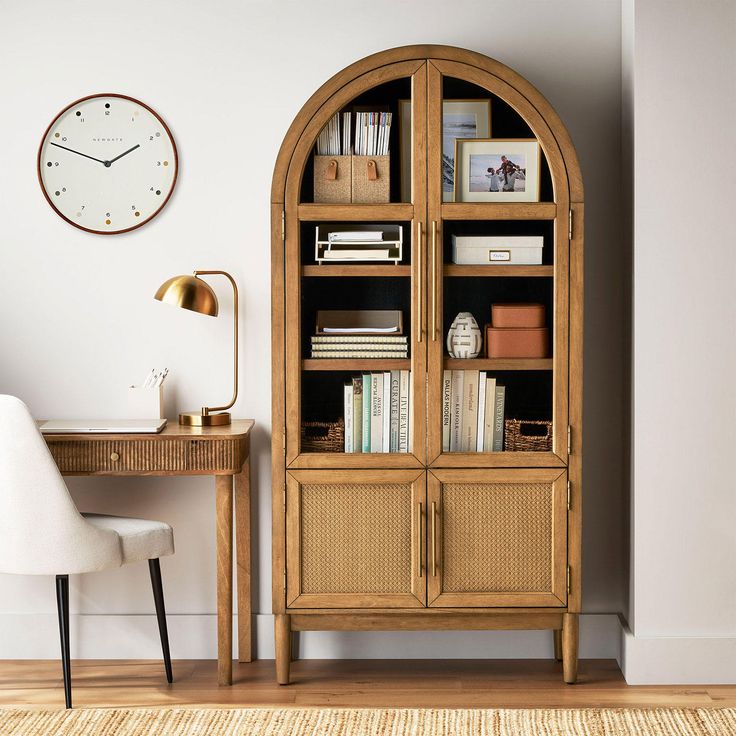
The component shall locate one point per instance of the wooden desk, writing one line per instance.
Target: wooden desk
(220, 451)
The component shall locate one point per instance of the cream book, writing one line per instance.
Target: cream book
(490, 399)
(470, 410)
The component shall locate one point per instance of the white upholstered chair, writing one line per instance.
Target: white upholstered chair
(42, 533)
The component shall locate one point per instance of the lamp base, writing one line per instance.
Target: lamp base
(197, 419)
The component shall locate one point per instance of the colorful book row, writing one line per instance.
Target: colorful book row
(377, 410)
(473, 406)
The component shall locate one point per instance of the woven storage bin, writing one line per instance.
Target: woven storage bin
(323, 436)
(371, 179)
(333, 179)
(518, 438)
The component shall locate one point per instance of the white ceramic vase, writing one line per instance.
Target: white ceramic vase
(463, 338)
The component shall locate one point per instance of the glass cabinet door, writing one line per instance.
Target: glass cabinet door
(497, 269)
(333, 193)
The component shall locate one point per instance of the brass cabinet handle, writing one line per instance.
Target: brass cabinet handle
(420, 516)
(419, 280)
(114, 456)
(434, 280)
(434, 538)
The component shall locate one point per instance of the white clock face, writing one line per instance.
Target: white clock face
(107, 164)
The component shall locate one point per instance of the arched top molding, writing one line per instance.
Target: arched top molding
(524, 97)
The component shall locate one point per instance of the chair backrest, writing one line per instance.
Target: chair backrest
(41, 531)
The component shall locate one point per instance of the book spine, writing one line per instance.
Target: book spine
(394, 427)
(409, 422)
(329, 339)
(376, 412)
(359, 347)
(366, 412)
(404, 411)
(490, 403)
(446, 391)
(470, 411)
(348, 418)
(358, 414)
(456, 411)
(498, 418)
(386, 412)
(481, 411)
(392, 354)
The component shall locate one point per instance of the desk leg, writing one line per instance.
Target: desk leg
(224, 517)
(243, 552)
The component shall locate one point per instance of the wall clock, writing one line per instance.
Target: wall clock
(107, 164)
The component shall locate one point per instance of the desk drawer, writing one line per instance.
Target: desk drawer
(147, 456)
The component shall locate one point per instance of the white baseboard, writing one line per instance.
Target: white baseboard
(678, 660)
(36, 636)
(644, 660)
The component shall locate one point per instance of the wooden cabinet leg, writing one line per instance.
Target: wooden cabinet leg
(243, 539)
(558, 644)
(283, 648)
(570, 647)
(224, 520)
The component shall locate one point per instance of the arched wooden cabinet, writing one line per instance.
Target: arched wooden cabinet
(427, 539)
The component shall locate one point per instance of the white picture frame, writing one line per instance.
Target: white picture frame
(490, 170)
(464, 119)
(460, 118)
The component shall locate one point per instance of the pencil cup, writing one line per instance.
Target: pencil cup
(146, 403)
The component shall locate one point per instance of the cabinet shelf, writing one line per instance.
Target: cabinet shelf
(356, 364)
(346, 269)
(498, 364)
(453, 269)
(356, 212)
(499, 211)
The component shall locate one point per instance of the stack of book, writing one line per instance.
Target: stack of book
(472, 412)
(360, 346)
(378, 412)
(360, 333)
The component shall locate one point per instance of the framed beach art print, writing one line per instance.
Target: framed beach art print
(460, 119)
(493, 170)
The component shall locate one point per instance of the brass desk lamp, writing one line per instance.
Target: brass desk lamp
(191, 292)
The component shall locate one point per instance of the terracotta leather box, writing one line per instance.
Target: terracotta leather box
(515, 342)
(517, 315)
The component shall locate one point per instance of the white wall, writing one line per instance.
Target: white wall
(77, 318)
(683, 618)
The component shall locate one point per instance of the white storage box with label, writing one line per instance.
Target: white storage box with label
(515, 250)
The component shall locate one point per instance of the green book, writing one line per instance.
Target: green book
(358, 414)
(366, 413)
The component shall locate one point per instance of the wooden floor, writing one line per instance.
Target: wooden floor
(367, 683)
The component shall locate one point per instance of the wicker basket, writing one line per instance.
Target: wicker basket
(527, 436)
(323, 436)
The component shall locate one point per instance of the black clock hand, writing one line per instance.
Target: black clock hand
(79, 153)
(125, 153)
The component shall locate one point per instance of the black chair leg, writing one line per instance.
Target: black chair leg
(62, 606)
(158, 597)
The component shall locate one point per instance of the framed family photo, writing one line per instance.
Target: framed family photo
(493, 170)
(460, 119)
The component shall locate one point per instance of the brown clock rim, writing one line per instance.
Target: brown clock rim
(122, 97)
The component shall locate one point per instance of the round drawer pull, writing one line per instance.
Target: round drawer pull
(114, 457)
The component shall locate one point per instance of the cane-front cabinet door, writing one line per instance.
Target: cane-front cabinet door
(354, 539)
(496, 538)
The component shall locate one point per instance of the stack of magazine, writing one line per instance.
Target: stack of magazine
(472, 412)
(371, 138)
(377, 410)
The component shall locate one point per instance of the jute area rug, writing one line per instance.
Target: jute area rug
(357, 722)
